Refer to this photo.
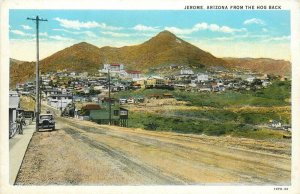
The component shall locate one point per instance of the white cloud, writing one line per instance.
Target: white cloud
(107, 27)
(275, 50)
(43, 34)
(265, 30)
(230, 47)
(25, 49)
(60, 38)
(254, 21)
(115, 34)
(119, 34)
(87, 33)
(224, 38)
(25, 27)
(18, 32)
(248, 37)
(145, 34)
(279, 38)
(141, 27)
(201, 26)
(180, 31)
(77, 25)
(214, 27)
(21, 33)
(205, 26)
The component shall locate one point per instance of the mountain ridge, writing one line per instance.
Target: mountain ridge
(263, 65)
(163, 49)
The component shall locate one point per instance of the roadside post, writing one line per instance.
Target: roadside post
(37, 80)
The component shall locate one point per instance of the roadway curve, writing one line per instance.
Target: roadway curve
(84, 153)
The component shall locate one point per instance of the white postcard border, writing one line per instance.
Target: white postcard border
(293, 6)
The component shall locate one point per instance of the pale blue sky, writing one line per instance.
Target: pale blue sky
(223, 33)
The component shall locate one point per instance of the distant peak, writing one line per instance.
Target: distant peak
(165, 33)
(83, 43)
(164, 36)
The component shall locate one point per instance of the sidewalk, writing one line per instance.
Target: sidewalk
(17, 148)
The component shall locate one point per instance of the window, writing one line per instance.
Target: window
(116, 112)
(123, 112)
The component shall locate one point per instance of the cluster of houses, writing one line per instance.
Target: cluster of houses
(275, 124)
(87, 86)
(186, 79)
(62, 88)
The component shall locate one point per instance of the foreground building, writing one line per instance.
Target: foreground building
(99, 113)
(14, 104)
(59, 101)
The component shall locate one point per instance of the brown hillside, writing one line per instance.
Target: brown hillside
(79, 57)
(15, 61)
(163, 49)
(20, 73)
(262, 65)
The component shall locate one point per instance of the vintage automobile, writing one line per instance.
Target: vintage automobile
(123, 100)
(46, 121)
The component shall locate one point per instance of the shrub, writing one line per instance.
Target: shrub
(151, 126)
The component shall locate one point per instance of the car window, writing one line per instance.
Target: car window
(46, 117)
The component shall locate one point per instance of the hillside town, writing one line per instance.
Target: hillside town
(85, 96)
(89, 85)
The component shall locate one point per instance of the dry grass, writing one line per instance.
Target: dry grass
(27, 103)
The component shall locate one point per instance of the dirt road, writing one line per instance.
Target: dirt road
(84, 153)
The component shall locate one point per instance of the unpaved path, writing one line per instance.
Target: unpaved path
(81, 152)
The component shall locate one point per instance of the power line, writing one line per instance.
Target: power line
(109, 96)
(37, 80)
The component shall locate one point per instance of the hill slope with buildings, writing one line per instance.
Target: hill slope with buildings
(163, 49)
(263, 65)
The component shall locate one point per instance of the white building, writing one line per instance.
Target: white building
(134, 74)
(276, 124)
(186, 72)
(250, 79)
(73, 74)
(14, 101)
(266, 83)
(115, 69)
(52, 91)
(59, 101)
(84, 74)
(202, 77)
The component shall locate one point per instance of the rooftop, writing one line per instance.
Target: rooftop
(91, 107)
(14, 99)
(133, 72)
(61, 95)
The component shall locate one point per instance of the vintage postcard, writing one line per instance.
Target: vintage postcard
(153, 97)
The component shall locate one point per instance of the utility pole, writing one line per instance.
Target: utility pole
(109, 102)
(40, 97)
(37, 80)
